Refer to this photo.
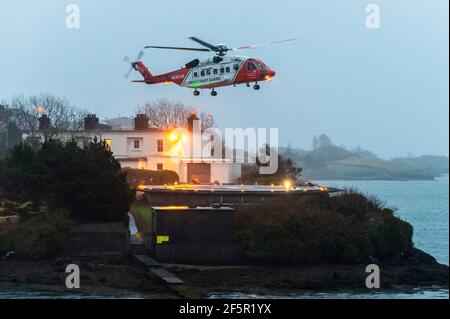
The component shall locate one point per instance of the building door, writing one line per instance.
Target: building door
(199, 173)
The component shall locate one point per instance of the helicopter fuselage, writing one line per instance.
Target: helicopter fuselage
(211, 73)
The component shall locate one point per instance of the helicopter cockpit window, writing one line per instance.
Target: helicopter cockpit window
(251, 66)
(236, 66)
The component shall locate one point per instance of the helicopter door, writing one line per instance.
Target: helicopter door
(251, 70)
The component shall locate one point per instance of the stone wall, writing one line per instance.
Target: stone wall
(99, 242)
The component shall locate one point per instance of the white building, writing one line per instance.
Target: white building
(155, 149)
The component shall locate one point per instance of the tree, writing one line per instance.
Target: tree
(168, 115)
(315, 142)
(10, 134)
(324, 141)
(88, 181)
(286, 171)
(62, 114)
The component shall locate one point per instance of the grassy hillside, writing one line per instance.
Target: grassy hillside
(334, 162)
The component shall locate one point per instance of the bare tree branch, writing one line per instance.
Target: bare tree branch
(167, 115)
(63, 116)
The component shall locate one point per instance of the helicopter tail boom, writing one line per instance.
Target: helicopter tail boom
(143, 70)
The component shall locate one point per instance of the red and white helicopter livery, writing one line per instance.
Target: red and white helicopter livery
(210, 73)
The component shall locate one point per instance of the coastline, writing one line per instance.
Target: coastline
(284, 281)
(46, 279)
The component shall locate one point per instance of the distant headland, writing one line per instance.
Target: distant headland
(327, 161)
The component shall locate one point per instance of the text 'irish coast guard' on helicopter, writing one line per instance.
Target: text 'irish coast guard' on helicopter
(210, 73)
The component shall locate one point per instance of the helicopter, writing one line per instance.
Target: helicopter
(210, 73)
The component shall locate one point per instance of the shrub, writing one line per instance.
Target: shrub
(346, 229)
(39, 237)
(136, 177)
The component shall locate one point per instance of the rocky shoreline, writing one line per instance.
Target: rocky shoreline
(126, 280)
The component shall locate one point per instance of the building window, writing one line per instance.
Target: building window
(108, 144)
(160, 146)
(212, 145)
(159, 167)
(137, 144)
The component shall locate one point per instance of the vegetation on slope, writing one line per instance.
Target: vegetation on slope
(346, 229)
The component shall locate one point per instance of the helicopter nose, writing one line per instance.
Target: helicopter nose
(269, 75)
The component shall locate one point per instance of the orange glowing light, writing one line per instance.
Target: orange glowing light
(287, 185)
(174, 207)
(173, 137)
(41, 109)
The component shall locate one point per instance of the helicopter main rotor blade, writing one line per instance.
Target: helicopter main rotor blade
(140, 55)
(252, 46)
(205, 44)
(175, 48)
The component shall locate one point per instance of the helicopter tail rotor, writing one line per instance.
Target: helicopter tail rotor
(127, 60)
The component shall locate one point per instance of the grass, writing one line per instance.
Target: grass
(142, 214)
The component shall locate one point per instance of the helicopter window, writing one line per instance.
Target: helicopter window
(251, 66)
(227, 69)
(215, 71)
(195, 74)
(202, 72)
(236, 66)
(208, 72)
(222, 70)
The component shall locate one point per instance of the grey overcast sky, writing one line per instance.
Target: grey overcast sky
(383, 89)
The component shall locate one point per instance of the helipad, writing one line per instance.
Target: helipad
(188, 194)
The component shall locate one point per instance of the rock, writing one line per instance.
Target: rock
(90, 266)
(9, 255)
(418, 257)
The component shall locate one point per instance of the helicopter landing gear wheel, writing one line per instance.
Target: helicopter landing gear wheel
(196, 93)
(247, 85)
(213, 93)
(256, 86)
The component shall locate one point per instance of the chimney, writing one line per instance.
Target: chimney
(44, 122)
(191, 122)
(90, 122)
(194, 129)
(141, 122)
